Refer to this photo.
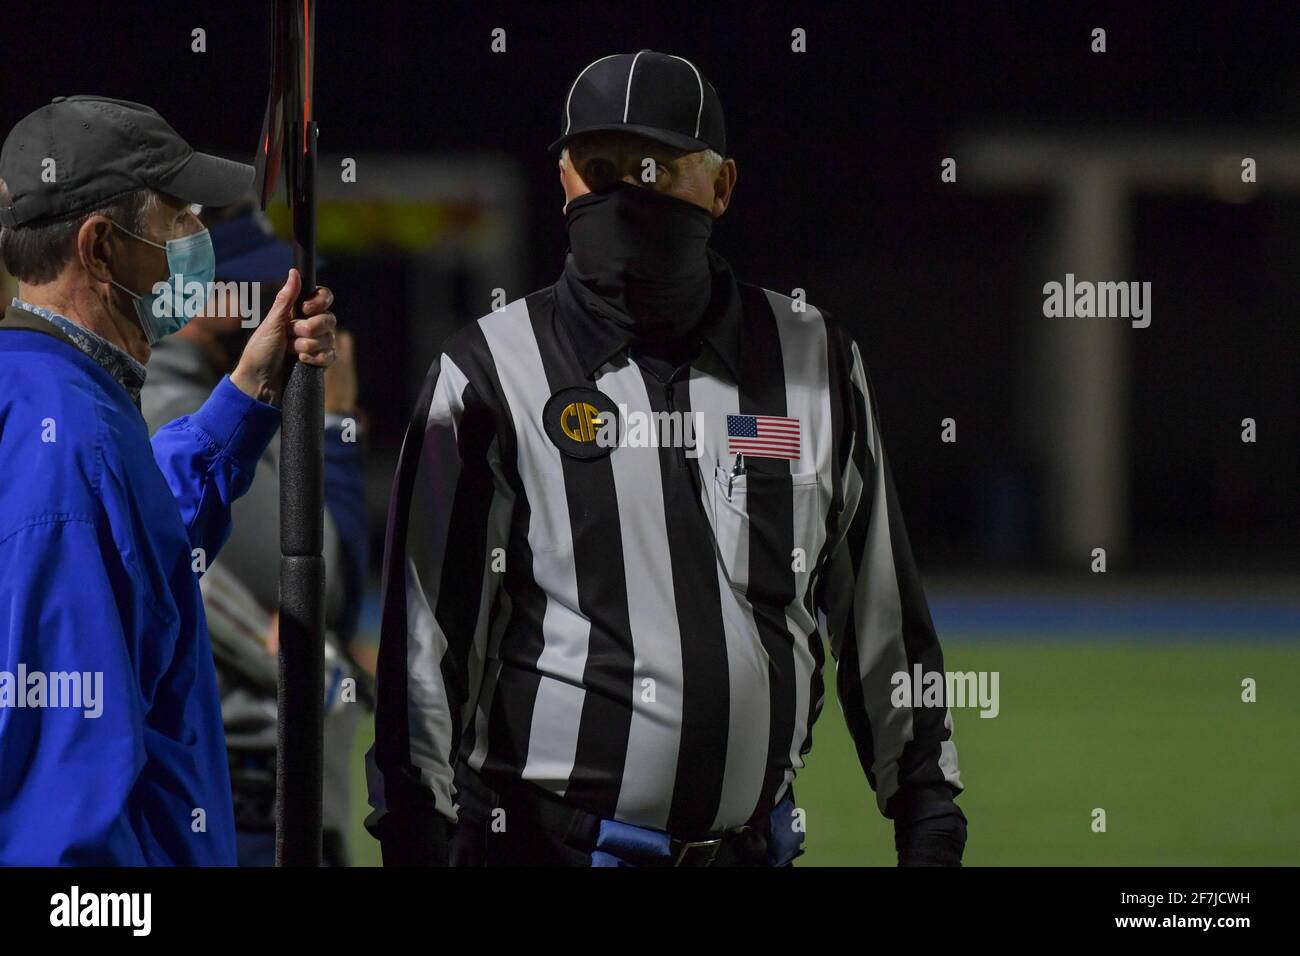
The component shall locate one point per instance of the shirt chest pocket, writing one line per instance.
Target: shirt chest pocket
(762, 521)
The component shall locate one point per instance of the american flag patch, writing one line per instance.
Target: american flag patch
(763, 436)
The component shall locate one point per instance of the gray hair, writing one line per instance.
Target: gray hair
(37, 252)
(709, 158)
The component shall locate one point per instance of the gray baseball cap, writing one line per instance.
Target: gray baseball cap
(81, 152)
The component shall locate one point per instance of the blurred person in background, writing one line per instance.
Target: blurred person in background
(240, 591)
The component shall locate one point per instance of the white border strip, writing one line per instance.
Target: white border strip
(627, 99)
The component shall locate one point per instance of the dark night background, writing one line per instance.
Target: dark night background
(839, 193)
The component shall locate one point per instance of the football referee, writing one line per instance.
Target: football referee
(627, 509)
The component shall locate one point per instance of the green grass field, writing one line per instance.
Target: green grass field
(1155, 734)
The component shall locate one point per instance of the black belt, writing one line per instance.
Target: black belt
(579, 828)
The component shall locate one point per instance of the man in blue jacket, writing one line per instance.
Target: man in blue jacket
(111, 744)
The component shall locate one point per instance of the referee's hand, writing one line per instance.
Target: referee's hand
(929, 828)
(413, 839)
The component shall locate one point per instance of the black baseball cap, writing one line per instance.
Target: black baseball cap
(656, 95)
(103, 149)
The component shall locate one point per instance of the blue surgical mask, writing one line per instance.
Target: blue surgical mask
(189, 259)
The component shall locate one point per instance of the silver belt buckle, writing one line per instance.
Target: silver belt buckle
(708, 848)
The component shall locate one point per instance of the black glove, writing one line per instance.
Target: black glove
(416, 838)
(929, 828)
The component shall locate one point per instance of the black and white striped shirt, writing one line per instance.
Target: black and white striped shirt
(639, 631)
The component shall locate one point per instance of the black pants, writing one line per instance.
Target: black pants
(474, 844)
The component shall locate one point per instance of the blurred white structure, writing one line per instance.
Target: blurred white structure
(1083, 363)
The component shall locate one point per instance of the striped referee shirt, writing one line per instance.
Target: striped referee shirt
(637, 627)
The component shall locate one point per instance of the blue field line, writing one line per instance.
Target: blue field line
(1050, 617)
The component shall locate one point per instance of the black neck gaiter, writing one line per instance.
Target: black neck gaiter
(645, 256)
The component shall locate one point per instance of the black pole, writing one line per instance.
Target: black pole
(301, 695)
(300, 760)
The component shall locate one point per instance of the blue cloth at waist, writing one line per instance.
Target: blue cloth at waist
(622, 844)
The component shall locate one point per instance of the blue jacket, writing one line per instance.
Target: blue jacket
(99, 575)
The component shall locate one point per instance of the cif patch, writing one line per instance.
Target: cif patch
(581, 422)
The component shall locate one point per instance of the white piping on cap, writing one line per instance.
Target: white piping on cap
(700, 111)
(627, 100)
(568, 121)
